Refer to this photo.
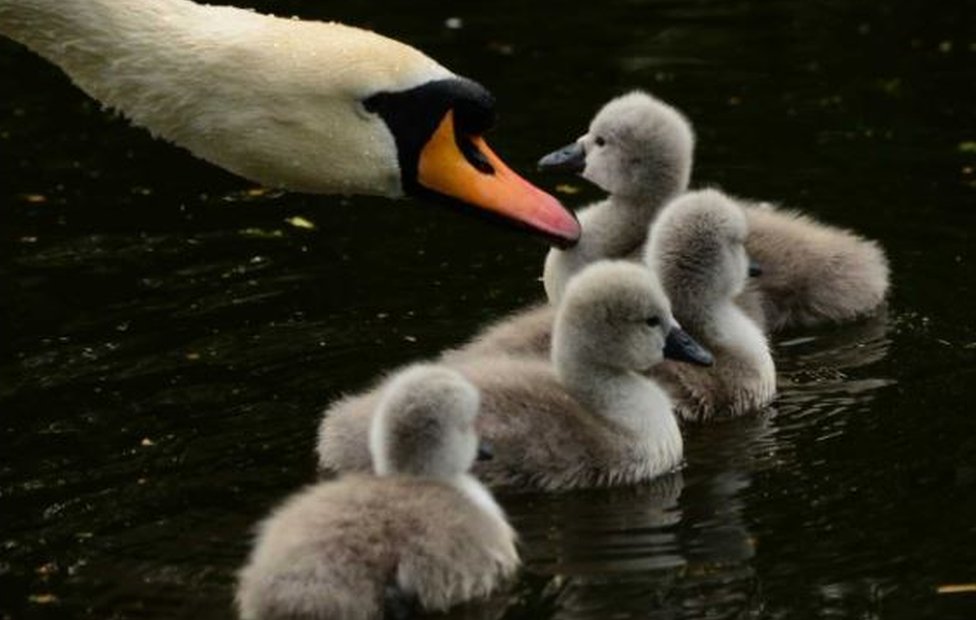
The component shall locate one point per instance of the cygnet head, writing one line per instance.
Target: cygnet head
(637, 147)
(697, 248)
(615, 314)
(424, 424)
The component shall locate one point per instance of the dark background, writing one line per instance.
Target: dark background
(168, 340)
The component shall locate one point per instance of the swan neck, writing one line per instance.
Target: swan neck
(274, 100)
(82, 36)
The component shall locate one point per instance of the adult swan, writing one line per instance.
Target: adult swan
(299, 105)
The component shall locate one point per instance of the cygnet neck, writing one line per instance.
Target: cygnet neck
(624, 218)
(476, 492)
(619, 395)
(618, 226)
(648, 201)
(724, 325)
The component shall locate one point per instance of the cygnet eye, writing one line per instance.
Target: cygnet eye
(600, 141)
(653, 321)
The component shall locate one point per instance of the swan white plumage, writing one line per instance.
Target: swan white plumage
(299, 105)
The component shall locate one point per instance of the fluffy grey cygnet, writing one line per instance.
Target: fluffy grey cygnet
(639, 150)
(588, 417)
(422, 527)
(817, 274)
(697, 249)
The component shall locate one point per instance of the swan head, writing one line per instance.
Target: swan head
(615, 314)
(325, 108)
(438, 130)
(637, 147)
(424, 424)
(697, 248)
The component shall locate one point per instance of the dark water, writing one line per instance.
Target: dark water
(168, 339)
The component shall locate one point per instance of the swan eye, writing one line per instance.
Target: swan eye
(600, 141)
(653, 321)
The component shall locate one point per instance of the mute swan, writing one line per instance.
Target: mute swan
(588, 418)
(817, 273)
(299, 105)
(422, 528)
(697, 249)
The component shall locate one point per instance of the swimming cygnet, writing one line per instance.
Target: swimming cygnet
(588, 418)
(813, 273)
(639, 150)
(421, 531)
(697, 249)
(817, 273)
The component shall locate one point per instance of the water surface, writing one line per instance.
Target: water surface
(168, 339)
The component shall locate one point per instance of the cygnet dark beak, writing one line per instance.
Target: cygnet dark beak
(485, 451)
(755, 270)
(681, 347)
(570, 158)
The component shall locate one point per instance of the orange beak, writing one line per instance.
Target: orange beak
(444, 169)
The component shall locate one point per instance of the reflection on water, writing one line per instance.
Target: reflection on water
(681, 547)
(634, 552)
(169, 337)
(825, 378)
